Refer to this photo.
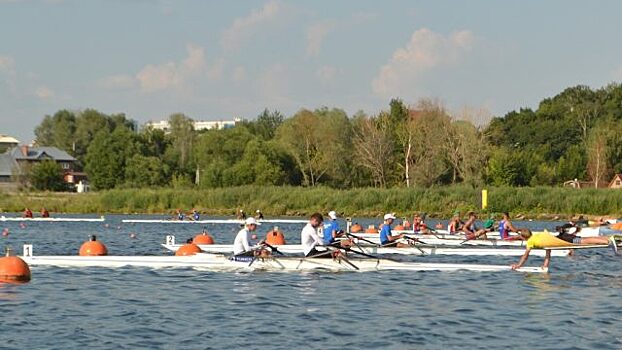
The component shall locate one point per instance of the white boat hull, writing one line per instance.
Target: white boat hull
(38, 219)
(213, 221)
(297, 249)
(214, 262)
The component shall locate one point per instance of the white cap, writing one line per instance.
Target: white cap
(332, 215)
(389, 216)
(251, 221)
(257, 211)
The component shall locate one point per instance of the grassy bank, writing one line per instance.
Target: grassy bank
(540, 202)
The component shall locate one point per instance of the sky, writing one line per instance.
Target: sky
(216, 60)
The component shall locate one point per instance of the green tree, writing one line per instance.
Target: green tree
(142, 171)
(47, 176)
(107, 156)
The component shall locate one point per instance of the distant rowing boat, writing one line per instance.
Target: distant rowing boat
(218, 262)
(212, 221)
(57, 219)
(584, 232)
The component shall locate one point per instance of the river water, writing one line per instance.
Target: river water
(576, 306)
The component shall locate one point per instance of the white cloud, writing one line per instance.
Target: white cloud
(315, 36)
(118, 82)
(239, 74)
(156, 77)
(44, 92)
(617, 74)
(326, 74)
(425, 51)
(244, 27)
(6, 64)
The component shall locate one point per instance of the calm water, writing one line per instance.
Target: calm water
(577, 305)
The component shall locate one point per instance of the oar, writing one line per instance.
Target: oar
(273, 248)
(343, 257)
(414, 245)
(362, 239)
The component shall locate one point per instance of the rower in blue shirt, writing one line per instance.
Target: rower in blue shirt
(180, 215)
(331, 228)
(386, 238)
(195, 215)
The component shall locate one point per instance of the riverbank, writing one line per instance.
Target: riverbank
(544, 203)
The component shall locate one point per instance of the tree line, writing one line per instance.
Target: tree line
(571, 135)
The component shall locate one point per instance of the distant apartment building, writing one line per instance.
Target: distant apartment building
(198, 124)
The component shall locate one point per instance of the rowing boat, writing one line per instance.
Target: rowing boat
(219, 262)
(57, 219)
(297, 249)
(415, 250)
(584, 232)
(212, 221)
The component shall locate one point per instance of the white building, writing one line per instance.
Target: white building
(198, 124)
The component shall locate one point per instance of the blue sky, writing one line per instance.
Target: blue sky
(218, 59)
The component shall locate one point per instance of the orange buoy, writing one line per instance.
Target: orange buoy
(188, 249)
(616, 226)
(399, 228)
(371, 229)
(93, 247)
(356, 228)
(13, 269)
(203, 238)
(275, 237)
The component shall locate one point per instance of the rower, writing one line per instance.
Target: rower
(470, 228)
(419, 226)
(45, 213)
(27, 213)
(309, 238)
(241, 244)
(241, 215)
(180, 215)
(505, 226)
(195, 215)
(455, 223)
(331, 232)
(258, 214)
(542, 240)
(388, 240)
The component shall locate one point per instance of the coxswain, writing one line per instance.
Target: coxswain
(386, 238)
(309, 238)
(505, 226)
(241, 244)
(27, 213)
(195, 215)
(331, 232)
(542, 240)
(45, 213)
(258, 214)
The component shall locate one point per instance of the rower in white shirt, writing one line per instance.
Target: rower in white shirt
(241, 244)
(309, 238)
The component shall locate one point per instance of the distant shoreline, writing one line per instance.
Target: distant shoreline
(539, 203)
